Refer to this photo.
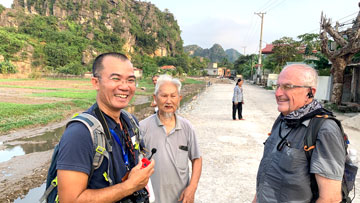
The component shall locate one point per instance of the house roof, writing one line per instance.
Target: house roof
(171, 67)
(268, 49)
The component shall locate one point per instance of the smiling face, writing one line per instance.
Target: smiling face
(115, 85)
(167, 98)
(291, 99)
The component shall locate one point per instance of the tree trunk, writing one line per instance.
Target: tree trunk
(337, 70)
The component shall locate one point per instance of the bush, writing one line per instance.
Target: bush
(74, 68)
(6, 67)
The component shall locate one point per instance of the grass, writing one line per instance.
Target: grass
(68, 95)
(15, 116)
(192, 81)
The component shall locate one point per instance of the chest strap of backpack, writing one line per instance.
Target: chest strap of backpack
(100, 144)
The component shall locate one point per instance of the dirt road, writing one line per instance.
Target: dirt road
(232, 149)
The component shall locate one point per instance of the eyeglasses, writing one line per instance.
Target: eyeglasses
(289, 86)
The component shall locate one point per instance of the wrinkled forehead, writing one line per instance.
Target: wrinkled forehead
(168, 87)
(291, 75)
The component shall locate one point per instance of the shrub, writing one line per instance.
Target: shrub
(6, 67)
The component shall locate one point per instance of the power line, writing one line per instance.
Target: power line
(279, 3)
(266, 5)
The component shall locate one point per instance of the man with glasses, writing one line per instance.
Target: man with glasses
(120, 177)
(284, 174)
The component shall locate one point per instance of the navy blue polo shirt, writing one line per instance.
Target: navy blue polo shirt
(76, 153)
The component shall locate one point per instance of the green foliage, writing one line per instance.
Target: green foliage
(285, 50)
(6, 67)
(244, 65)
(2, 8)
(149, 66)
(73, 68)
(11, 43)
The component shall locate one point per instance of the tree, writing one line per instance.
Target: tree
(286, 50)
(348, 44)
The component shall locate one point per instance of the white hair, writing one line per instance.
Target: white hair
(167, 78)
(309, 77)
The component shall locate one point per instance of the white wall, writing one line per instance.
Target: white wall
(323, 88)
(272, 79)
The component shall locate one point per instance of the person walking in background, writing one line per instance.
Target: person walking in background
(153, 103)
(176, 144)
(238, 100)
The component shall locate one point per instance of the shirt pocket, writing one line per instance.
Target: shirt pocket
(182, 159)
(293, 160)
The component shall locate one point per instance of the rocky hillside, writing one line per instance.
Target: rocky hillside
(63, 35)
(216, 53)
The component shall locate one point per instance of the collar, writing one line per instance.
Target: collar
(177, 124)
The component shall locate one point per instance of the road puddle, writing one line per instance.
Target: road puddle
(29, 145)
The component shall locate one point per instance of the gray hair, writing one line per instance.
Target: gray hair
(310, 76)
(167, 78)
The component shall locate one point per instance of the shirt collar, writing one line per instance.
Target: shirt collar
(177, 124)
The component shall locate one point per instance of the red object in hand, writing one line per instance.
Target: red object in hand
(145, 161)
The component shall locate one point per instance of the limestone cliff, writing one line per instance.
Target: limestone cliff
(133, 27)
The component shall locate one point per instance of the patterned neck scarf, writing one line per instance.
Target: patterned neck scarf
(296, 117)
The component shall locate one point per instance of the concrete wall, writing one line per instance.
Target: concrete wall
(272, 79)
(323, 88)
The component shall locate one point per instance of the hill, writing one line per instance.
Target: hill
(216, 53)
(64, 36)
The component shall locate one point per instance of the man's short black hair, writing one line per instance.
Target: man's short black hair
(98, 66)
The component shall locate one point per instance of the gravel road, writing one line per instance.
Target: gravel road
(232, 150)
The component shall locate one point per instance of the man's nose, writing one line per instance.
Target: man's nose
(279, 92)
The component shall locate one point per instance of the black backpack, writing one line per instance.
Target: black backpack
(348, 181)
(100, 146)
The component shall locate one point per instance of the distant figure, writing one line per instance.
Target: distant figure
(238, 100)
(153, 103)
(285, 174)
(176, 144)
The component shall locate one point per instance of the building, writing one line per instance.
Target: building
(138, 72)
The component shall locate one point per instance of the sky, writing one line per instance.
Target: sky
(234, 24)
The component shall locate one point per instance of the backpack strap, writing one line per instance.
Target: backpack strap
(309, 144)
(100, 143)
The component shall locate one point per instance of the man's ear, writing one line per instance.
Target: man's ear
(95, 82)
(181, 97)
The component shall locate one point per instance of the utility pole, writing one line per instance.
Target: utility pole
(244, 47)
(259, 74)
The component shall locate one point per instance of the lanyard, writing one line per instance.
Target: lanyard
(124, 154)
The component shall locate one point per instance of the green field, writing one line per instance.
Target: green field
(74, 97)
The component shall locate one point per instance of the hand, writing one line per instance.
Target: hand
(236, 103)
(188, 195)
(242, 102)
(139, 177)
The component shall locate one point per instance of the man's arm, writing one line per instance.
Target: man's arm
(73, 186)
(329, 190)
(188, 195)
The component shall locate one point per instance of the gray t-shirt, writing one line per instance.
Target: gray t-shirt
(172, 157)
(283, 175)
